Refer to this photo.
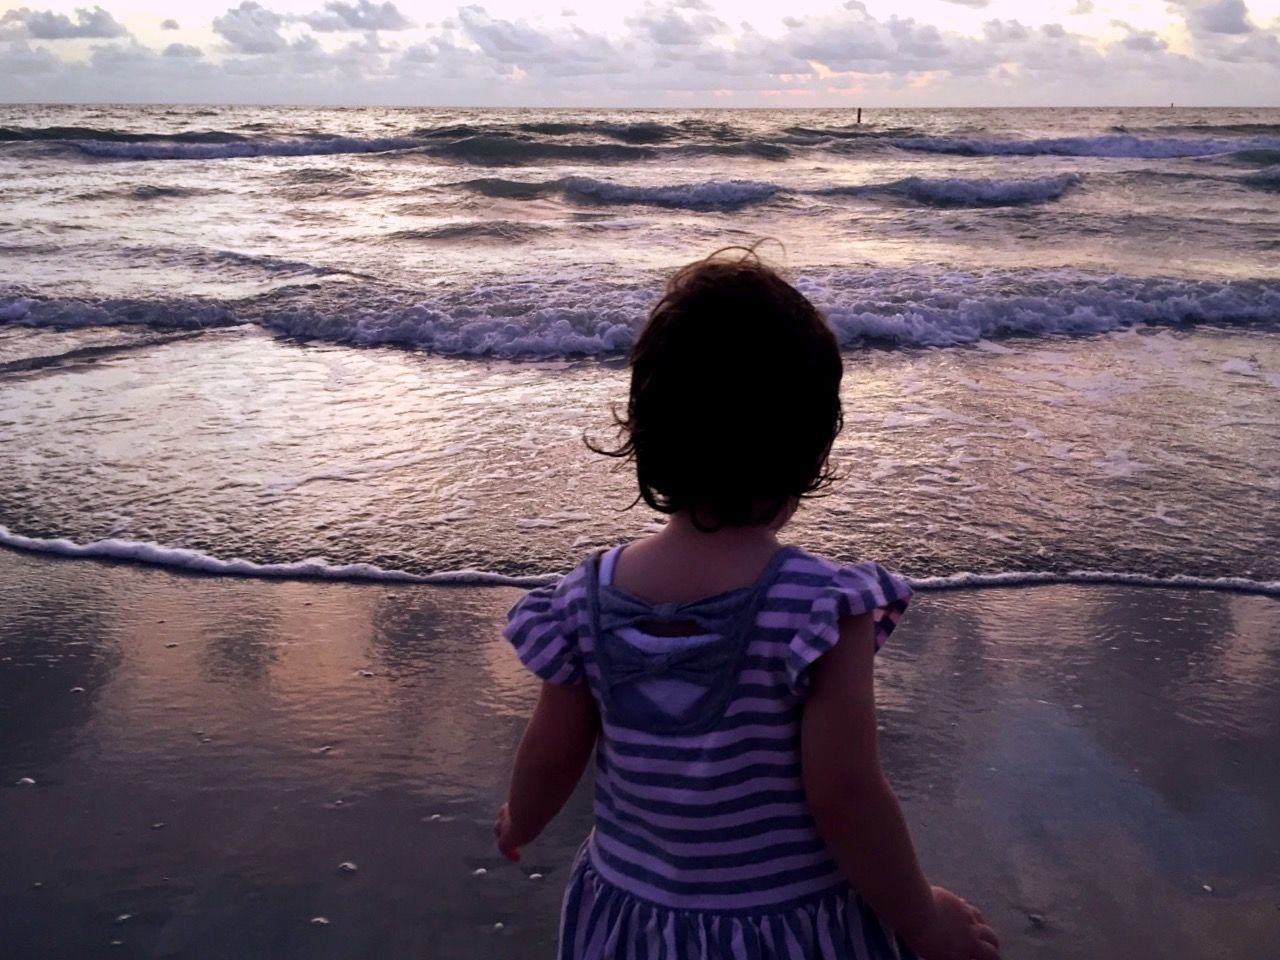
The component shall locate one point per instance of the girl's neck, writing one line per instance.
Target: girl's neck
(682, 563)
(683, 531)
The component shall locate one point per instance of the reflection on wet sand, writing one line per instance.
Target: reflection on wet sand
(1095, 766)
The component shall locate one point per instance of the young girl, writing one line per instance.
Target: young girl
(723, 679)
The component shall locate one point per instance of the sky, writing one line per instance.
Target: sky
(677, 53)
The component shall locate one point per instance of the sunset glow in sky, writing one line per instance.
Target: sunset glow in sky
(651, 53)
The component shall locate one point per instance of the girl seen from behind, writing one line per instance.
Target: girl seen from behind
(724, 679)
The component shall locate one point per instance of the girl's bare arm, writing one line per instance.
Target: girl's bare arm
(858, 815)
(549, 763)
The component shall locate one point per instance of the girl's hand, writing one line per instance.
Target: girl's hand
(957, 932)
(509, 840)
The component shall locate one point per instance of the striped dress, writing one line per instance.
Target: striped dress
(703, 845)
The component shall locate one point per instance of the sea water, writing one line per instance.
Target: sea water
(369, 343)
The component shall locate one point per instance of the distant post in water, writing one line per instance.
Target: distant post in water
(860, 113)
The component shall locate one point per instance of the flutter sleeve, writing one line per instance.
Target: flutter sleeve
(537, 628)
(851, 591)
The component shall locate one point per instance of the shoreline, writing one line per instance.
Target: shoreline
(1081, 762)
(185, 561)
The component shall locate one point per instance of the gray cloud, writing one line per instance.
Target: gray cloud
(359, 16)
(46, 25)
(666, 53)
(1082, 7)
(1144, 40)
(171, 25)
(1225, 16)
(21, 61)
(971, 3)
(251, 28)
(670, 27)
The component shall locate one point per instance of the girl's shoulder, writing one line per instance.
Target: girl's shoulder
(865, 580)
(544, 624)
(817, 593)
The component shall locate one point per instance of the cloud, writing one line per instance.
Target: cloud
(568, 51)
(361, 15)
(1081, 8)
(670, 27)
(20, 60)
(171, 25)
(1144, 41)
(1225, 16)
(971, 3)
(47, 25)
(251, 28)
(673, 52)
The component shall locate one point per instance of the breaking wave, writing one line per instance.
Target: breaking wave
(506, 230)
(502, 151)
(1266, 179)
(712, 194)
(1108, 145)
(588, 316)
(168, 149)
(958, 192)
(95, 135)
(735, 194)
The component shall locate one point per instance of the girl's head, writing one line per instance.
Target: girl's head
(735, 395)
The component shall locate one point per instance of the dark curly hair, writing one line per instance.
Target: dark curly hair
(735, 395)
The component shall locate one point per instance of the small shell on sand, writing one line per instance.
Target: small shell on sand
(1207, 887)
(535, 876)
(158, 825)
(170, 646)
(319, 921)
(347, 867)
(365, 673)
(479, 872)
(124, 918)
(77, 689)
(26, 782)
(499, 925)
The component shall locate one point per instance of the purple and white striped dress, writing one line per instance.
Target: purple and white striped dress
(703, 845)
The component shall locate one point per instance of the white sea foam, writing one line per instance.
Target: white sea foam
(589, 316)
(187, 560)
(194, 561)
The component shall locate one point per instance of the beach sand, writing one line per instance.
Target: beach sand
(1098, 768)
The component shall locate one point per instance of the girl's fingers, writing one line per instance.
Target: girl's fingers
(987, 935)
(985, 951)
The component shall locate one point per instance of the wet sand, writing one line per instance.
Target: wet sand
(1097, 767)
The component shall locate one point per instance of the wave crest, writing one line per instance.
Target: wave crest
(1107, 145)
(574, 316)
(974, 192)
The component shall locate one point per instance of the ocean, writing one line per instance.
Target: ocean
(368, 343)
(284, 346)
